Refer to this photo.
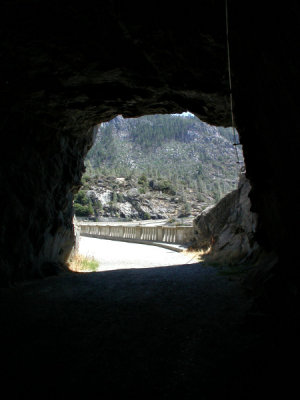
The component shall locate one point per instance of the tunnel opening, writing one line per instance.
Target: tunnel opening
(54, 91)
(163, 169)
(170, 154)
(57, 81)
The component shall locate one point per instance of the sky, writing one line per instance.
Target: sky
(185, 114)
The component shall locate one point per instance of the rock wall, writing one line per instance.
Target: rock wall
(228, 228)
(37, 233)
(66, 67)
(76, 230)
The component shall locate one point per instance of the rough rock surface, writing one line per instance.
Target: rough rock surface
(76, 237)
(132, 204)
(67, 66)
(228, 228)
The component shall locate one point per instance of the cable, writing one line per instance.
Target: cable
(235, 144)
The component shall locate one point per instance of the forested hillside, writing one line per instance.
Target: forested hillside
(176, 155)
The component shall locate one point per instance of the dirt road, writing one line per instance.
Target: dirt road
(113, 254)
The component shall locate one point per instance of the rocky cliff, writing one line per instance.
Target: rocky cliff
(227, 230)
(178, 147)
(125, 198)
(157, 166)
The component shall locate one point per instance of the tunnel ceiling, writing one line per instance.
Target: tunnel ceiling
(66, 67)
(91, 62)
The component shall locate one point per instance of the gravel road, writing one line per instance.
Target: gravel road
(122, 255)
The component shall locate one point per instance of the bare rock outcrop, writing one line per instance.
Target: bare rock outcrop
(227, 229)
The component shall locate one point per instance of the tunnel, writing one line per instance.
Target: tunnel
(66, 67)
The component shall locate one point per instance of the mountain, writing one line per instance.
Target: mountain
(173, 164)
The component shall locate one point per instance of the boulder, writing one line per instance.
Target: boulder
(226, 231)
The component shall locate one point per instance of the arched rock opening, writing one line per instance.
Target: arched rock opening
(67, 67)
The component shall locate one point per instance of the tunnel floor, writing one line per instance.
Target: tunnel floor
(157, 332)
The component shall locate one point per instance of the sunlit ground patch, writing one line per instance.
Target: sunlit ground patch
(80, 263)
(195, 253)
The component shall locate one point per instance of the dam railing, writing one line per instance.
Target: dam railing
(139, 234)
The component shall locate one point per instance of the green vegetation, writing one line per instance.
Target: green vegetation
(146, 215)
(170, 154)
(80, 263)
(85, 206)
(186, 210)
(89, 264)
(163, 185)
(82, 204)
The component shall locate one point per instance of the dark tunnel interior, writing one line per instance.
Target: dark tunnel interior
(67, 66)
